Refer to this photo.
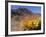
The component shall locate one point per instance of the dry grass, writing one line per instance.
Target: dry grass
(25, 22)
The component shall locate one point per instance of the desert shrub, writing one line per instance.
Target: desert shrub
(32, 24)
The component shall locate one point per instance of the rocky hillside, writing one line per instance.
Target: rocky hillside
(23, 19)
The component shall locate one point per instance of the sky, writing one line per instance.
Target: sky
(34, 9)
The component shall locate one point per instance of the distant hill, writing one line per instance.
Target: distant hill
(21, 11)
